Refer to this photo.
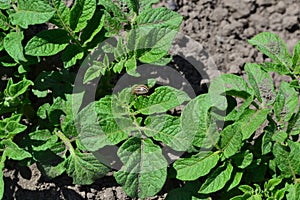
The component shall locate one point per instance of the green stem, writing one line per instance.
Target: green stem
(66, 141)
(67, 28)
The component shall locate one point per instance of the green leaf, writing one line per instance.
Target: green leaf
(94, 71)
(279, 136)
(90, 133)
(47, 140)
(236, 115)
(280, 194)
(229, 84)
(61, 17)
(153, 38)
(31, 12)
(4, 4)
(294, 156)
(159, 18)
(2, 157)
(48, 42)
(253, 119)
(286, 102)
(296, 59)
(117, 68)
(198, 165)
(134, 5)
(114, 17)
(71, 54)
(147, 4)
(110, 6)
(216, 180)
(294, 124)
(197, 122)
(2, 59)
(14, 152)
(246, 189)
(120, 51)
(150, 43)
(236, 180)
(103, 123)
(4, 24)
(14, 90)
(13, 45)
(243, 159)
(231, 140)
(40, 135)
(167, 129)
(284, 161)
(145, 169)
(84, 168)
(10, 126)
(52, 162)
(273, 67)
(272, 46)
(81, 12)
(93, 27)
(293, 192)
(163, 99)
(262, 84)
(266, 146)
(272, 183)
(56, 170)
(131, 66)
(62, 113)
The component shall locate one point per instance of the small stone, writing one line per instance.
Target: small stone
(219, 14)
(258, 21)
(233, 27)
(120, 194)
(219, 40)
(185, 10)
(244, 21)
(259, 58)
(276, 18)
(244, 50)
(188, 24)
(240, 8)
(293, 9)
(264, 2)
(280, 7)
(109, 194)
(291, 44)
(290, 23)
(204, 34)
(249, 32)
(271, 9)
(228, 47)
(172, 5)
(196, 25)
(236, 64)
(234, 69)
(237, 26)
(89, 196)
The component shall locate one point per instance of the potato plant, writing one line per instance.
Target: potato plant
(229, 150)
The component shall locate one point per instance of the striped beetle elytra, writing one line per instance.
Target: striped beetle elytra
(140, 89)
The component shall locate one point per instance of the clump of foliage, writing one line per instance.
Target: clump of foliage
(36, 101)
(247, 162)
(42, 121)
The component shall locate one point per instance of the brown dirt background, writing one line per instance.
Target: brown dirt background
(222, 27)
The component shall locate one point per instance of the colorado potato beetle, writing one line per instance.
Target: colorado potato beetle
(140, 89)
